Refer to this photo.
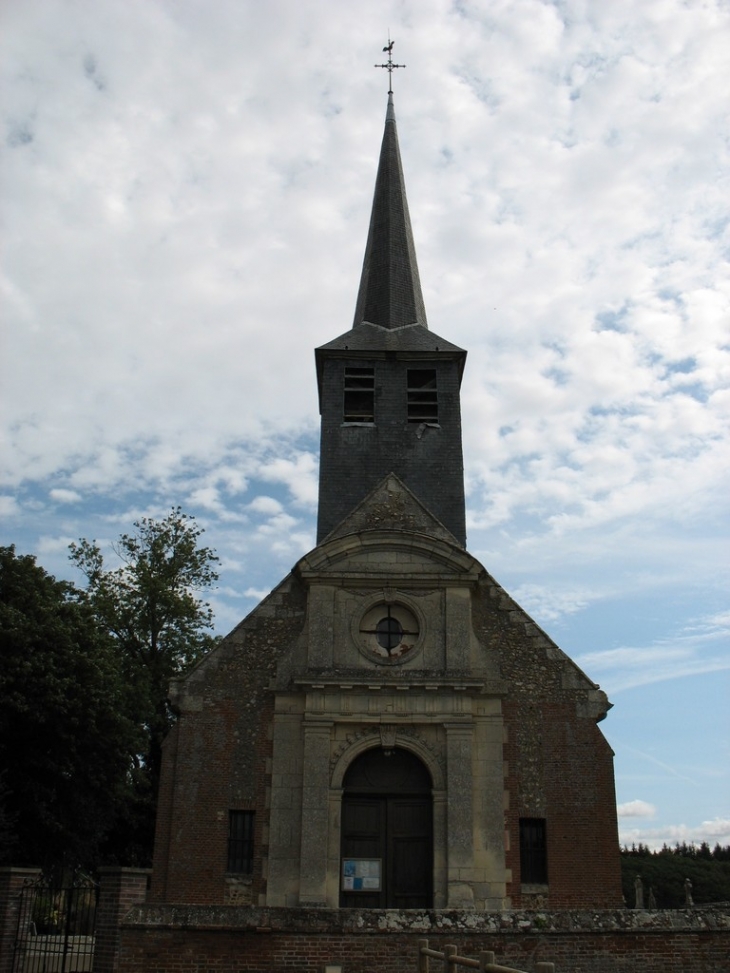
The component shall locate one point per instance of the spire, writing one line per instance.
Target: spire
(390, 290)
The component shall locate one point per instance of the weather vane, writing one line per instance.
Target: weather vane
(388, 49)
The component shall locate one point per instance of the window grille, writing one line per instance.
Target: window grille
(533, 851)
(422, 395)
(359, 395)
(240, 842)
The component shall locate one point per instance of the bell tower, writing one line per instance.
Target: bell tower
(389, 388)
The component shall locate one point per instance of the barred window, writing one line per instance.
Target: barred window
(240, 842)
(533, 850)
(359, 395)
(422, 395)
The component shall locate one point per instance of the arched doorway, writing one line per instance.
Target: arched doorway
(387, 832)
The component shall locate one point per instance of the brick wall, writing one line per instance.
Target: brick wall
(230, 940)
(570, 765)
(119, 890)
(217, 757)
(559, 766)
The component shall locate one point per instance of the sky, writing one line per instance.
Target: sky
(186, 190)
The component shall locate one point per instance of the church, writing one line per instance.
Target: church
(388, 729)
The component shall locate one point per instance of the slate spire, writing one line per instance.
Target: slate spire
(390, 290)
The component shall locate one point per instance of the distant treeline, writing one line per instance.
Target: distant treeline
(665, 872)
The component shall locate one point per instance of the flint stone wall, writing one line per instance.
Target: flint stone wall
(229, 939)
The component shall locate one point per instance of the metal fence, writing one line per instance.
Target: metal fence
(55, 931)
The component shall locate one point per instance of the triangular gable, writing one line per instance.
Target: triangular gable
(596, 704)
(392, 506)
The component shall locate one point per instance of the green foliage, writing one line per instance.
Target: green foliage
(665, 872)
(83, 692)
(149, 606)
(65, 733)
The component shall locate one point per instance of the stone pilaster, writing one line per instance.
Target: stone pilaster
(285, 811)
(460, 816)
(315, 808)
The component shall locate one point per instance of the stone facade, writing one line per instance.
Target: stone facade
(504, 722)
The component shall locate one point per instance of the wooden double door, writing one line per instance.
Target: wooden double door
(387, 829)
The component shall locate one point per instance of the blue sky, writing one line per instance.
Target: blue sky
(187, 192)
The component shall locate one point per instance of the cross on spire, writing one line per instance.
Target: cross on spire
(390, 66)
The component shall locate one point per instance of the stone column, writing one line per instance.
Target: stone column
(119, 890)
(315, 806)
(459, 816)
(12, 881)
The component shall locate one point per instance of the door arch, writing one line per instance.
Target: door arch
(387, 816)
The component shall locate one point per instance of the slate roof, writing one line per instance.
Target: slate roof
(390, 315)
(390, 290)
(370, 337)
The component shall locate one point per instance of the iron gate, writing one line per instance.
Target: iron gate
(55, 931)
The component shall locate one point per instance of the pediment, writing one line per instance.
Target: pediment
(392, 506)
(408, 557)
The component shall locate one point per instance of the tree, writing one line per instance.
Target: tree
(150, 607)
(8, 839)
(65, 735)
(665, 871)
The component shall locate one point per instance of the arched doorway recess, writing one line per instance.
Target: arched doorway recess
(387, 832)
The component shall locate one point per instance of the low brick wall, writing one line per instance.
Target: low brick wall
(235, 939)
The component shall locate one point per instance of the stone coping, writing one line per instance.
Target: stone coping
(424, 922)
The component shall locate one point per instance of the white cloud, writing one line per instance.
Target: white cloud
(9, 508)
(299, 474)
(550, 603)
(265, 505)
(700, 647)
(716, 831)
(257, 593)
(54, 545)
(213, 500)
(589, 105)
(207, 498)
(65, 496)
(636, 809)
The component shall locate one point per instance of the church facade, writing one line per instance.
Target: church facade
(388, 728)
